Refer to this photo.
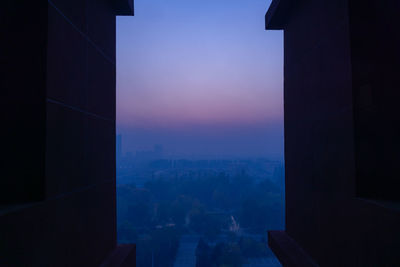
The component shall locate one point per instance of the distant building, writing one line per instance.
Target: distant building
(148, 155)
(158, 150)
(119, 147)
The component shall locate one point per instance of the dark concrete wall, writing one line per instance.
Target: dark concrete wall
(324, 214)
(23, 87)
(375, 42)
(80, 95)
(58, 194)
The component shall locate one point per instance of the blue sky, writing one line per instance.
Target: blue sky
(201, 78)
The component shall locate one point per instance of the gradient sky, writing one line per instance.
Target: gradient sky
(200, 78)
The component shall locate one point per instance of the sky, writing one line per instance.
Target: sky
(202, 78)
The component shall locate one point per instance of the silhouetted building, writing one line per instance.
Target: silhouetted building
(57, 198)
(119, 147)
(158, 150)
(149, 155)
(341, 93)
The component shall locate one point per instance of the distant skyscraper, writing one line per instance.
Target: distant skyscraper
(119, 147)
(158, 151)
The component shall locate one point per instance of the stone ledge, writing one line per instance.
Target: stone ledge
(277, 14)
(123, 256)
(289, 253)
(125, 7)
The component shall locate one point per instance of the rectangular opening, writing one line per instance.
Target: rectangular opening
(199, 148)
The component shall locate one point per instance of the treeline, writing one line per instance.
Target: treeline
(170, 206)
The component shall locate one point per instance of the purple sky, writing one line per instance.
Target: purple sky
(201, 78)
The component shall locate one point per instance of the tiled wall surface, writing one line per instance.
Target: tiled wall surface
(23, 83)
(375, 40)
(58, 201)
(324, 214)
(80, 95)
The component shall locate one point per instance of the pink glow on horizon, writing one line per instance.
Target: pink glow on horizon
(217, 66)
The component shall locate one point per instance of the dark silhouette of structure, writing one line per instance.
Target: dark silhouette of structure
(119, 147)
(341, 90)
(57, 191)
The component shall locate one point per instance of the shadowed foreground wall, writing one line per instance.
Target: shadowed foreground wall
(341, 132)
(57, 191)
